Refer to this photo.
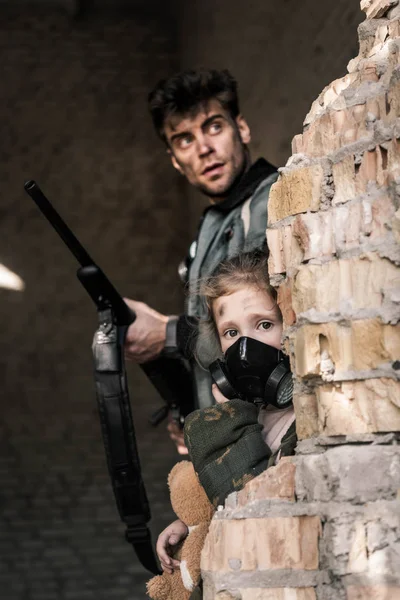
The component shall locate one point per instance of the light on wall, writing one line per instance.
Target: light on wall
(10, 280)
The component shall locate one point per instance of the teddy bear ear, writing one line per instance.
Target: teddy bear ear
(180, 467)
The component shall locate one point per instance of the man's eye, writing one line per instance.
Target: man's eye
(184, 142)
(215, 127)
(231, 333)
(266, 325)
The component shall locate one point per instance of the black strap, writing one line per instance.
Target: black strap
(119, 437)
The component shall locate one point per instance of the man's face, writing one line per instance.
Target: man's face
(208, 148)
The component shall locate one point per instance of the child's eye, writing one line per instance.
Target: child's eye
(265, 325)
(230, 333)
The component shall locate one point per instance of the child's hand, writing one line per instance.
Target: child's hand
(176, 435)
(170, 537)
(218, 395)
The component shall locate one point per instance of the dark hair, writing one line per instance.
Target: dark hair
(185, 92)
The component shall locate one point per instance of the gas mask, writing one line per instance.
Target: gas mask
(255, 372)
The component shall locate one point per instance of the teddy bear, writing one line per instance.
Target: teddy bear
(191, 505)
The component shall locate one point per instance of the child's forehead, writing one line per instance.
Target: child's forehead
(244, 297)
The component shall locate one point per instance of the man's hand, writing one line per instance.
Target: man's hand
(170, 537)
(145, 338)
(176, 435)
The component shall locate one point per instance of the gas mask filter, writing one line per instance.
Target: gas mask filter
(255, 372)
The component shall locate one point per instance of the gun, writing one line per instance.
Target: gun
(169, 376)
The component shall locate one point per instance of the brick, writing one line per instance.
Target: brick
(297, 144)
(344, 180)
(276, 482)
(347, 286)
(343, 544)
(350, 473)
(295, 191)
(285, 252)
(321, 235)
(285, 303)
(358, 560)
(390, 104)
(372, 169)
(276, 594)
(275, 245)
(367, 406)
(335, 129)
(259, 544)
(306, 409)
(359, 345)
(396, 226)
(314, 235)
(373, 592)
(374, 9)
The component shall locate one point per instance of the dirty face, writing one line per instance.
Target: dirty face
(208, 148)
(247, 312)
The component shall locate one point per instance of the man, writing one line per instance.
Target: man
(196, 114)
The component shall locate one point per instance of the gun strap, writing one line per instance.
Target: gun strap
(119, 437)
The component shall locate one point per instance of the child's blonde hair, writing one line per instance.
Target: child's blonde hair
(248, 269)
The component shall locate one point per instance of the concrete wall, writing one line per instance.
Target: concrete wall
(325, 524)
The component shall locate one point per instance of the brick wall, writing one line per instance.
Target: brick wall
(73, 116)
(325, 524)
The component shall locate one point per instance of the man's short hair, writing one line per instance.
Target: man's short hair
(185, 92)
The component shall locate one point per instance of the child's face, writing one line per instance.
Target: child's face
(248, 312)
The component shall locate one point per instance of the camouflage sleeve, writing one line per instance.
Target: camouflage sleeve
(226, 447)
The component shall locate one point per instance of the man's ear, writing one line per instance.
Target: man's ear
(175, 163)
(244, 129)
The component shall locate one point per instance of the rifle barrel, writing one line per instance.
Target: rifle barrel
(32, 188)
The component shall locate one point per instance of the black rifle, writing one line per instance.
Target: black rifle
(169, 376)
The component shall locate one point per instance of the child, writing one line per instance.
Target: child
(234, 441)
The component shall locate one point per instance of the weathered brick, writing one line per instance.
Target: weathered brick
(373, 592)
(285, 303)
(356, 346)
(347, 286)
(343, 544)
(274, 594)
(358, 559)
(295, 191)
(275, 482)
(371, 405)
(374, 9)
(373, 168)
(350, 473)
(332, 130)
(314, 234)
(259, 544)
(306, 409)
(275, 246)
(344, 180)
(285, 252)
(336, 129)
